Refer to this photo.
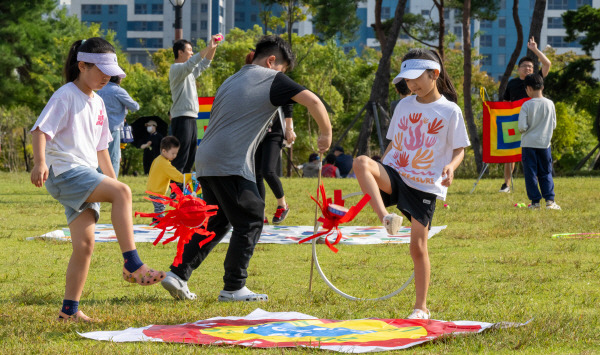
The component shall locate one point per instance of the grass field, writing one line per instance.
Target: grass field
(493, 263)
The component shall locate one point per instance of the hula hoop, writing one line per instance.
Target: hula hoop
(337, 290)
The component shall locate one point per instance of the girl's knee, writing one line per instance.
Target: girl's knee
(124, 191)
(361, 163)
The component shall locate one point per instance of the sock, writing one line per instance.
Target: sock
(132, 260)
(69, 307)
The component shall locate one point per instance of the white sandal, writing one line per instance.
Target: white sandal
(419, 314)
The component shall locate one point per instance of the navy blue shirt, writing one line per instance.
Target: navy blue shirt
(344, 163)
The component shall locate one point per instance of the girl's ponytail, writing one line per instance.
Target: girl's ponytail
(92, 45)
(444, 84)
(71, 71)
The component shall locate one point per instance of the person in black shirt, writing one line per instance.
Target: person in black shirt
(515, 90)
(342, 161)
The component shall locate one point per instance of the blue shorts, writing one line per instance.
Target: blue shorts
(72, 188)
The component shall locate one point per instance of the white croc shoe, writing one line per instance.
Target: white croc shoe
(241, 295)
(177, 287)
(419, 314)
(392, 223)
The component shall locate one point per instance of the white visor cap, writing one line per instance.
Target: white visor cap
(414, 68)
(106, 62)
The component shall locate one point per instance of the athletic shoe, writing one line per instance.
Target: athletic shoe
(241, 295)
(266, 221)
(551, 205)
(419, 314)
(280, 214)
(504, 188)
(177, 287)
(534, 206)
(392, 223)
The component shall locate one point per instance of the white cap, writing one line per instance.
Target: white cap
(106, 62)
(414, 68)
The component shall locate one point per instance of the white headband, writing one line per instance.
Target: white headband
(414, 68)
(106, 62)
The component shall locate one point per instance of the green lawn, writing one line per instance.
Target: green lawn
(493, 263)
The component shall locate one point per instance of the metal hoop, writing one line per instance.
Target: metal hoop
(337, 290)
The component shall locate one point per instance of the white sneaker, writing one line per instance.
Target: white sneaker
(419, 314)
(177, 287)
(243, 294)
(551, 205)
(392, 223)
(534, 206)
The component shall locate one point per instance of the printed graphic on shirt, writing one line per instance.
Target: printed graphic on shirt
(412, 147)
(100, 119)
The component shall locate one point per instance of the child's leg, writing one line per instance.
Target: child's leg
(545, 173)
(372, 177)
(119, 195)
(82, 237)
(530, 171)
(420, 256)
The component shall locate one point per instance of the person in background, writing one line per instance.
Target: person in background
(311, 169)
(152, 146)
(403, 91)
(184, 111)
(117, 102)
(515, 90)
(162, 172)
(537, 121)
(342, 161)
(329, 169)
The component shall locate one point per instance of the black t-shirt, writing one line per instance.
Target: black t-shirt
(282, 90)
(515, 89)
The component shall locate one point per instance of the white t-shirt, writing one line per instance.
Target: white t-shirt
(76, 127)
(423, 137)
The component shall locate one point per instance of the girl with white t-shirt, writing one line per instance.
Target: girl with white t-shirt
(428, 137)
(70, 141)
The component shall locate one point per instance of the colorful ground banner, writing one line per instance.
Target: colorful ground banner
(261, 329)
(205, 104)
(501, 136)
(271, 234)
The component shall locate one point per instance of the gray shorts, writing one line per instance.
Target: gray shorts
(72, 188)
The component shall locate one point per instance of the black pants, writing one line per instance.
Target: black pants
(185, 130)
(240, 206)
(265, 164)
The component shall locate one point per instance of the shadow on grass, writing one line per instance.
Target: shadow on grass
(30, 297)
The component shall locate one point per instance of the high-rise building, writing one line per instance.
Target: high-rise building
(144, 26)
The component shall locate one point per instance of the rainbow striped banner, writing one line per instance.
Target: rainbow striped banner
(205, 104)
(501, 136)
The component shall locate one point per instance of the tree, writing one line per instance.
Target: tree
(335, 18)
(417, 27)
(583, 25)
(515, 54)
(535, 30)
(380, 88)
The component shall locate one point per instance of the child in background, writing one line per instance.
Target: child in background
(428, 137)
(329, 170)
(70, 140)
(162, 171)
(537, 121)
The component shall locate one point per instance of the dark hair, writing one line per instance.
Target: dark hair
(115, 79)
(338, 148)
(180, 46)
(535, 81)
(330, 158)
(443, 83)
(169, 142)
(92, 45)
(402, 87)
(313, 157)
(277, 46)
(525, 59)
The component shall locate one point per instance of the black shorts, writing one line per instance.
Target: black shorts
(411, 202)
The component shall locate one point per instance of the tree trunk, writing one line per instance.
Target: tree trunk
(442, 28)
(472, 127)
(24, 142)
(380, 88)
(515, 54)
(535, 31)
